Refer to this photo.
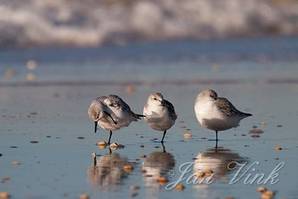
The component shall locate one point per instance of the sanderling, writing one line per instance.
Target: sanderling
(159, 113)
(217, 113)
(115, 113)
(100, 113)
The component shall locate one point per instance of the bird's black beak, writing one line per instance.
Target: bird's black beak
(95, 126)
(108, 114)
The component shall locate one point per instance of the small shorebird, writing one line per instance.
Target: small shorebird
(111, 113)
(159, 113)
(217, 113)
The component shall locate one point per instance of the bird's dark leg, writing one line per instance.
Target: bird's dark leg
(109, 142)
(216, 140)
(94, 160)
(95, 126)
(163, 137)
(163, 148)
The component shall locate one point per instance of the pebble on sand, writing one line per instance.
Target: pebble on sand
(256, 131)
(84, 196)
(179, 187)
(4, 195)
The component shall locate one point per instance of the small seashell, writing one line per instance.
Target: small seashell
(179, 187)
(84, 196)
(128, 168)
(278, 148)
(162, 180)
(4, 195)
(31, 64)
(209, 172)
(115, 146)
(31, 77)
(267, 195)
(101, 144)
(261, 189)
(200, 174)
(187, 135)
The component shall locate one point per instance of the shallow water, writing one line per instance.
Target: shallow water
(60, 164)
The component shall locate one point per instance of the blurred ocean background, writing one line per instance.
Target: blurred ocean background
(92, 23)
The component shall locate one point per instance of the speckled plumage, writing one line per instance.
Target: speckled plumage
(217, 113)
(159, 113)
(115, 113)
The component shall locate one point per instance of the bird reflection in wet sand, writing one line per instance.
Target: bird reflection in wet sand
(156, 168)
(216, 163)
(108, 171)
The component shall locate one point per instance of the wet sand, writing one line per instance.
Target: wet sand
(47, 140)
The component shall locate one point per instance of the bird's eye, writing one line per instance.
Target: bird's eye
(155, 98)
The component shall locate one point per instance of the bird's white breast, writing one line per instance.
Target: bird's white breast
(209, 116)
(157, 117)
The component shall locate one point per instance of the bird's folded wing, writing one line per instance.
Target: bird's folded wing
(226, 107)
(171, 109)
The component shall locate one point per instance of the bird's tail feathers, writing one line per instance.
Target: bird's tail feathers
(138, 116)
(244, 115)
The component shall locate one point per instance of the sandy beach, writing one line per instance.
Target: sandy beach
(47, 139)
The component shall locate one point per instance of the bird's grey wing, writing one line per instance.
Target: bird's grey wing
(101, 98)
(171, 109)
(107, 110)
(228, 109)
(125, 107)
